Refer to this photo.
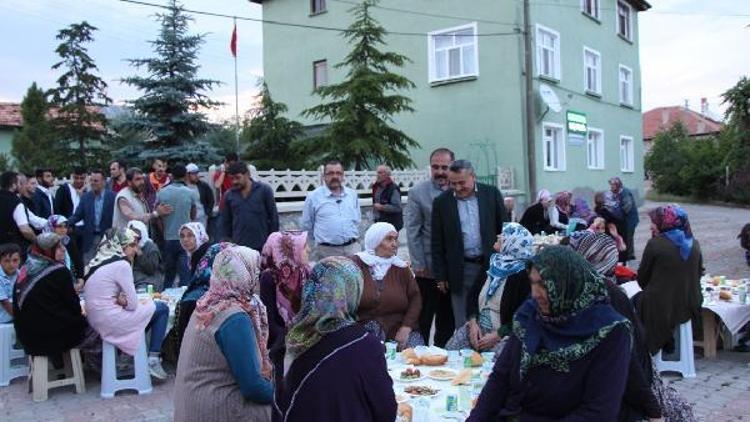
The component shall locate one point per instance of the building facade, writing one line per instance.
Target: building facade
(467, 61)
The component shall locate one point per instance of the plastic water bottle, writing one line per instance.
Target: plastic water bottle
(421, 410)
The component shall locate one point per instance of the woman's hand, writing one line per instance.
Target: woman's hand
(122, 299)
(489, 341)
(402, 336)
(474, 334)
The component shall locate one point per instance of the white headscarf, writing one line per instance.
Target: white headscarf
(378, 265)
(141, 228)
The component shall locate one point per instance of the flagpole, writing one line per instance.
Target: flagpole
(236, 99)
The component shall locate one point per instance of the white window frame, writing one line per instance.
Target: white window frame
(627, 154)
(628, 33)
(598, 69)
(316, 82)
(431, 54)
(629, 100)
(557, 71)
(559, 148)
(596, 8)
(599, 165)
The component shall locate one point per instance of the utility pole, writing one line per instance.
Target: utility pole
(530, 138)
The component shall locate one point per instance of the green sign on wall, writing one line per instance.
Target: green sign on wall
(577, 123)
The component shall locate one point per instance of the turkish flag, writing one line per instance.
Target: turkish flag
(233, 43)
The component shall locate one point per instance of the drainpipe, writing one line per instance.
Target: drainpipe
(530, 142)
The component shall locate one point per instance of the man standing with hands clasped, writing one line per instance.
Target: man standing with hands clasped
(466, 220)
(418, 218)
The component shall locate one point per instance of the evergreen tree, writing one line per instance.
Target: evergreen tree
(172, 92)
(79, 124)
(33, 146)
(738, 116)
(361, 107)
(271, 137)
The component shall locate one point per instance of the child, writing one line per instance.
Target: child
(744, 237)
(599, 225)
(10, 260)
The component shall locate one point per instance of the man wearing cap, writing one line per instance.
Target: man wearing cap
(204, 209)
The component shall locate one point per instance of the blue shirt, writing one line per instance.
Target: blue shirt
(249, 221)
(468, 213)
(332, 219)
(98, 207)
(182, 199)
(6, 293)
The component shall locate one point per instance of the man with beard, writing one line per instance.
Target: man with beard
(26, 188)
(435, 304)
(331, 214)
(44, 202)
(117, 180)
(67, 199)
(250, 213)
(14, 224)
(130, 203)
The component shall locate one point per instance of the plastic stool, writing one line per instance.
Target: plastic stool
(686, 364)
(9, 371)
(141, 381)
(40, 372)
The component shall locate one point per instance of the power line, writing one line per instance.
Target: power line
(432, 15)
(517, 31)
(657, 12)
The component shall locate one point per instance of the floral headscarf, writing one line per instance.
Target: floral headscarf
(329, 302)
(233, 283)
(599, 249)
(110, 249)
(579, 318)
(141, 230)
(201, 277)
(40, 262)
(54, 221)
(582, 210)
(517, 249)
(283, 257)
(672, 223)
(199, 231)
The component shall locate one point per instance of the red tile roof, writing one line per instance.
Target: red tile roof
(662, 118)
(10, 115)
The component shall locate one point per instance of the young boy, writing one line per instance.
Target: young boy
(10, 260)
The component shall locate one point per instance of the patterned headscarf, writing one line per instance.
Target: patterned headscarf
(110, 249)
(517, 249)
(617, 182)
(233, 283)
(543, 195)
(283, 257)
(582, 210)
(329, 302)
(40, 262)
(580, 316)
(55, 221)
(563, 200)
(201, 277)
(141, 230)
(199, 231)
(599, 249)
(672, 223)
(379, 266)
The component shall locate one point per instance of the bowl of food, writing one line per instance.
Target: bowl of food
(421, 391)
(410, 374)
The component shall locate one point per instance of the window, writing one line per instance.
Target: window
(626, 85)
(548, 52)
(320, 73)
(624, 24)
(592, 71)
(591, 8)
(626, 154)
(317, 6)
(595, 149)
(554, 147)
(453, 53)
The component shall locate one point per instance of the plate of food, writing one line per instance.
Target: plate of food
(441, 374)
(421, 391)
(410, 375)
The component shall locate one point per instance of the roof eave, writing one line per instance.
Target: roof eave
(640, 5)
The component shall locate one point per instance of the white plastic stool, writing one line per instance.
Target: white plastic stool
(8, 370)
(40, 374)
(141, 381)
(686, 364)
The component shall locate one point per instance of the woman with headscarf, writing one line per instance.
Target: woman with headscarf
(73, 259)
(622, 202)
(285, 270)
(147, 268)
(224, 372)
(112, 306)
(506, 288)
(564, 205)
(538, 217)
(334, 370)
(391, 301)
(46, 309)
(568, 355)
(669, 274)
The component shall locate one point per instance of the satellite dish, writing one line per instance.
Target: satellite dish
(549, 97)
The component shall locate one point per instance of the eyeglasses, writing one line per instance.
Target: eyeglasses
(334, 173)
(437, 167)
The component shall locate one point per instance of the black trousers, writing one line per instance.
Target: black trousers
(435, 305)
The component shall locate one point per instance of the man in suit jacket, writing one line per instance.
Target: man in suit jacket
(466, 221)
(95, 210)
(67, 198)
(43, 199)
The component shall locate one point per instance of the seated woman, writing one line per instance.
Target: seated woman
(147, 268)
(669, 274)
(564, 207)
(538, 218)
(569, 352)
(285, 270)
(224, 373)
(506, 288)
(112, 306)
(334, 370)
(73, 258)
(391, 301)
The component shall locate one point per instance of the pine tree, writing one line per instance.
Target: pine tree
(271, 137)
(361, 107)
(172, 92)
(79, 124)
(34, 146)
(737, 100)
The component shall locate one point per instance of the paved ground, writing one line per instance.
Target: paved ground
(720, 392)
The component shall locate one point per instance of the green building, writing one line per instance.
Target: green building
(468, 61)
(10, 123)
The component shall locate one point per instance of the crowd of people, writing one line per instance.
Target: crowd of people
(269, 317)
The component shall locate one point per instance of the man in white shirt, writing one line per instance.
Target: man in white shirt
(44, 202)
(14, 225)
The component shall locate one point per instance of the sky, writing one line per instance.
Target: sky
(690, 49)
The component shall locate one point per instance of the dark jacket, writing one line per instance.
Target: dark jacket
(276, 326)
(534, 220)
(207, 197)
(447, 244)
(387, 196)
(85, 212)
(9, 231)
(249, 221)
(64, 201)
(42, 207)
